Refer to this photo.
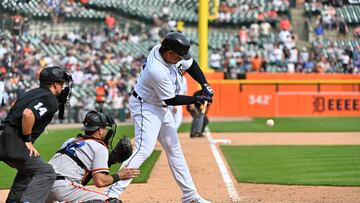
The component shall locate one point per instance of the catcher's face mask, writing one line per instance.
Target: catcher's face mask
(111, 131)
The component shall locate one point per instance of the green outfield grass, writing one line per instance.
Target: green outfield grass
(310, 124)
(295, 165)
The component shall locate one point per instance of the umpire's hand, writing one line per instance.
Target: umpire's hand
(32, 149)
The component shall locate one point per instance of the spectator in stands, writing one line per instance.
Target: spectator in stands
(254, 32)
(243, 35)
(293, 60)
(3, 50)
(17, 23)
(342, 27)
(346, 61)
(323, 65)
(100, 94)
(285, 24)
(356, 60)
(265, 29)
(110, 22)
(319, 32)
(215, 59)
(277, 55)
(357, 31)
(256, 63)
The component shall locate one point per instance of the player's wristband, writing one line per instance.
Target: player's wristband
(26, 138)
(115, 177)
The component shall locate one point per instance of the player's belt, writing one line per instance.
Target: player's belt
(136, 95)
(60, 178)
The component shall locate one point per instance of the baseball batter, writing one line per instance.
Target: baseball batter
(156, 89)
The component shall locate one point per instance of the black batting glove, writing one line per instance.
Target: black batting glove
(207, 90)
(202, 98)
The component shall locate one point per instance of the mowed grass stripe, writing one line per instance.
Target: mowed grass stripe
(295, 165)
(308, 124)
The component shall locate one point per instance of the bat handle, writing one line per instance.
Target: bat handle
(203, 110)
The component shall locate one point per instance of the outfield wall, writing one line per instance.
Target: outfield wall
(271, 95)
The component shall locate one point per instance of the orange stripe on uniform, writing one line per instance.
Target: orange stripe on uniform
(85, 189)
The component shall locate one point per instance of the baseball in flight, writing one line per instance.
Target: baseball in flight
(270, 123)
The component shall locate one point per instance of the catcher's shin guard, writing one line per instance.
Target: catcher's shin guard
(110, 200)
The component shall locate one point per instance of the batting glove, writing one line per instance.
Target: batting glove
(207, 90)
(202, 98)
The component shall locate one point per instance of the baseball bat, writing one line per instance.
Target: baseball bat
(200, 123)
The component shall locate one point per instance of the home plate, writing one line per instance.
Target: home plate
(221, 141)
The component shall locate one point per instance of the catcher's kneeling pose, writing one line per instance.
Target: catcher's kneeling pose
(87, 156)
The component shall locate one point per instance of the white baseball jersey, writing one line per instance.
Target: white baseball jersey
(179, 109)
(93, 154)
(159, 80)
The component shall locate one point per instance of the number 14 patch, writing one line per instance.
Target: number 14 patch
(39, 107)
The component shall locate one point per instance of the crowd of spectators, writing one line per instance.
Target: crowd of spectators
(257, 51)
(325, 17)
(86, 52)
(230, 8)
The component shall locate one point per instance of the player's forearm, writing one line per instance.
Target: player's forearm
(180, 100)
(196, 73)
(103, 180)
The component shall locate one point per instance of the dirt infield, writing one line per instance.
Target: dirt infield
(206, 174)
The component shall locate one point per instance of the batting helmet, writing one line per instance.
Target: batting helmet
(53, 74)
(177, 42)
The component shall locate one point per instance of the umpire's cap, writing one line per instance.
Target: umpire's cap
(53, 74)
(94, 120)
(177, 42)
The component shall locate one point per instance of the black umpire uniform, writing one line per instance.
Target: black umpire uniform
(195, 110)
(26, 120)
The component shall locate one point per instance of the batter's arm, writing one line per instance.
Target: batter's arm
(183, 99)
(196, 73)
(180, 100)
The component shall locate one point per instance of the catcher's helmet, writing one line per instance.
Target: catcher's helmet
(94, 120)
(53, 74)
(178, 43)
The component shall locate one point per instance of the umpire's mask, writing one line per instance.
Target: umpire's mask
(54, 74)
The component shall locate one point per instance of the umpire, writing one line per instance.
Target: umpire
(26, 120)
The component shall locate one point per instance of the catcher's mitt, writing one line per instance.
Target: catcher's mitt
(121, 152)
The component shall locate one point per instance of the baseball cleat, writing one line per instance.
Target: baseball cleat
(200, 200)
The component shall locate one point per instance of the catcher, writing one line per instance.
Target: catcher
(87, 156)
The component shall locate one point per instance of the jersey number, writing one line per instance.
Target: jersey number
(39, 108)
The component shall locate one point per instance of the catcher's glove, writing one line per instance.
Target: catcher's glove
(121, 152)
